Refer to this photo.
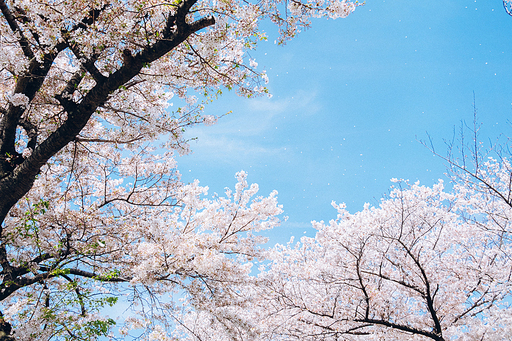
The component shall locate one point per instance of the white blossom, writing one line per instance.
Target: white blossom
(19, 100)
(26, 152)
(210, 120)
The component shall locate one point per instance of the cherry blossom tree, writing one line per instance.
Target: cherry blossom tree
(91, 203)
(426, 264)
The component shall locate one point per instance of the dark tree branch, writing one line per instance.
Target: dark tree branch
(428, 296)
(7, 269)
(97, 140)
(401, 327)
(65, 97)
(101, 278)
(8, 287)
(78, 295)
(22, 16)
(398, 281)
(90, 18)
(23, 41)
(473, 175)
(31, 131)
(73, 83)
(88, 64)
(27, 84)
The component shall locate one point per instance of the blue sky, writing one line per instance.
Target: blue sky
(351, 99)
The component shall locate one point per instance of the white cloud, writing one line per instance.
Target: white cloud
(242, 136)
(229, 149)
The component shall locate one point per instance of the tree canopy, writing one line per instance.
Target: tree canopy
(93, 212)
(427, 264)
(90, 196)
